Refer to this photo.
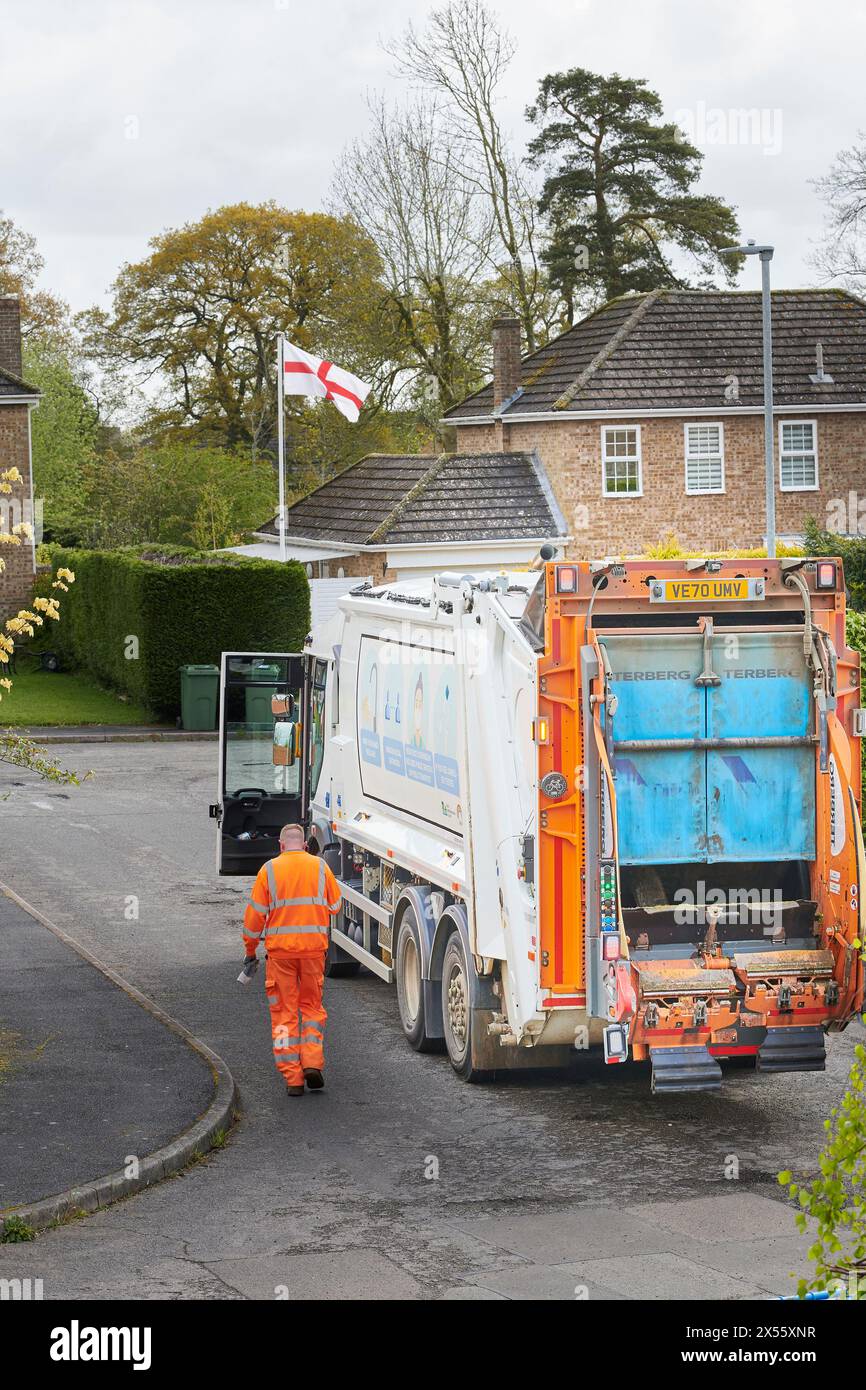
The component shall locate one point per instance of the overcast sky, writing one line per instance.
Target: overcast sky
(123, 117)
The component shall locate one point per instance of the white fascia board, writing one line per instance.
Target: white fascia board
(331, 546)
(510, 555)
(442, 547)
(529, 417)
(20, 400)
(438, 546)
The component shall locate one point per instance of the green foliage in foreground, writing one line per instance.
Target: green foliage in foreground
(836, 1199)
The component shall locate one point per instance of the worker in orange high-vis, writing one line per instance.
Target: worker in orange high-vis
(290, 908)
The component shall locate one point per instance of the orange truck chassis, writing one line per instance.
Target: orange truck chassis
(701, 861)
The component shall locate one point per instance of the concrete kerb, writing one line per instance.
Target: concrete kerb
(190, 1144)
(134, 736)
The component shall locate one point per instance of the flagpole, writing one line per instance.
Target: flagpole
(281, 446)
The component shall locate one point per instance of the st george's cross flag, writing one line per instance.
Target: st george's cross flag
(306, 375)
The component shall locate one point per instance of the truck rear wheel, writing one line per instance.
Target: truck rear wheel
(410, 990)
(458, 1016)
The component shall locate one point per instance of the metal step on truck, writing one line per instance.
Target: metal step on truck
(610, 805)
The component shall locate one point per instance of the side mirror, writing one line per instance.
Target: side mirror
(286, 744)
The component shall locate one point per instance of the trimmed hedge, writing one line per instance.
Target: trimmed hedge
(183, 606)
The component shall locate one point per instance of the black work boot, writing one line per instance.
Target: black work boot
(294, 1090)
(314, 1078)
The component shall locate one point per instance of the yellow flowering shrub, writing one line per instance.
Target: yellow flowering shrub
(13, 748)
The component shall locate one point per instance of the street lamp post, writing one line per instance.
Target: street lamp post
(766, 255)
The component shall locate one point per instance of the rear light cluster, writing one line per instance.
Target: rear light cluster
(607, 903)
(566, 579)
(825, 575)
(541, 730)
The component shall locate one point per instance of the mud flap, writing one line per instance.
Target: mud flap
(792, 1049)
(488, 1054)
(684, 1069)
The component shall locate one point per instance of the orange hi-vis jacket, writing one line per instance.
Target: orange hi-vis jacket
(293, 899)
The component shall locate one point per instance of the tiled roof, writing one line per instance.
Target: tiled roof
(420, 498)
(13, 386)
(677, 349)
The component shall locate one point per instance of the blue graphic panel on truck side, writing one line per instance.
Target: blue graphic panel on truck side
(661, 794)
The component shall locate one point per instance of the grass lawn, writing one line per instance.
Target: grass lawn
(64, 697)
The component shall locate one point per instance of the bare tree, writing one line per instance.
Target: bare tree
(405, 186)
(842, 255)
(463, 56)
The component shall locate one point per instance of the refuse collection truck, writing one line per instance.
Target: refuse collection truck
(608, 805)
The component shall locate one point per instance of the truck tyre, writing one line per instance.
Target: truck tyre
(339, 965)
(458, 1016)
(410, 990)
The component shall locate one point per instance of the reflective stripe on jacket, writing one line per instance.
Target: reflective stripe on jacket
(293, 899)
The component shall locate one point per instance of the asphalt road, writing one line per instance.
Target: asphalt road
(398, 1181)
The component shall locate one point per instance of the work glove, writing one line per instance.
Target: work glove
(251, 965)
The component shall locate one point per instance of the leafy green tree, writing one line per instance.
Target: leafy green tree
(617, 191)
(323, 442)
(20, 268)
(212, 520)
(178, 493)
(199, 317)
(65, 429)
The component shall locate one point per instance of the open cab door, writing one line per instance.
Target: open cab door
(264, 762)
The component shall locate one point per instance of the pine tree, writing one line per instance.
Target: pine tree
(616, 191)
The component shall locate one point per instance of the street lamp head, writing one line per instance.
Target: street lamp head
(750, 249)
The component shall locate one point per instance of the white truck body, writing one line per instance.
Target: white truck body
(456, 806)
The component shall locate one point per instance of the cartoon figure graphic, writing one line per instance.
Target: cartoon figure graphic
(418, 713)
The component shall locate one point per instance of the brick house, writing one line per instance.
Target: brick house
(17, 399)
(395, 516)
(648, 417)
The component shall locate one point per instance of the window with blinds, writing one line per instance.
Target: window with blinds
(705, 458)
(798, 455)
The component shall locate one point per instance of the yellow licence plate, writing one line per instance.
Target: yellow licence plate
(705, 590)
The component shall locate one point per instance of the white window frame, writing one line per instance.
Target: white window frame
(697, 424)
(807, 487)
(621, 496)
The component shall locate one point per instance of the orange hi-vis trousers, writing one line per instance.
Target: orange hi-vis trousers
(293, 985)
(292, 902)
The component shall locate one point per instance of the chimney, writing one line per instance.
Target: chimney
(10, 334)
(506, 359)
